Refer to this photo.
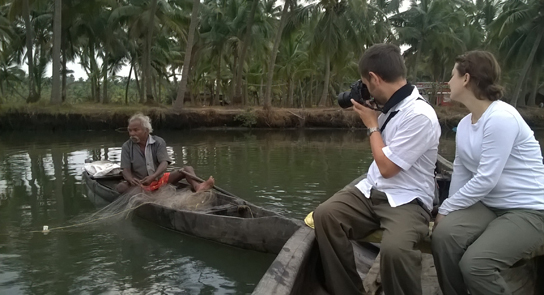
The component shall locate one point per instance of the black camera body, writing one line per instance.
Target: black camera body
(358, 92)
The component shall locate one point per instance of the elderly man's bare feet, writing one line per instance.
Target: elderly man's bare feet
(208, 184)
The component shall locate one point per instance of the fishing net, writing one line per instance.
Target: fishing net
(167, 196)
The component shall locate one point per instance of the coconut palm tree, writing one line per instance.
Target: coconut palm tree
(245, 45)
(57, 31)
(23, 9)
(423, 25)
(342, 26)
(42, 22)
(90, 26)
(10, 73)
(274, 52)
(187, 58)
(519, 30)
(143, 20)
(290, 59)
(218, 30)
(147, 51)
(6, 30)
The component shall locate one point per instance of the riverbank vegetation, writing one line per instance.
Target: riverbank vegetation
(93, 116)
(250, 53)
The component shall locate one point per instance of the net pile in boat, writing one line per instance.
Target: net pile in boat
(167, 196)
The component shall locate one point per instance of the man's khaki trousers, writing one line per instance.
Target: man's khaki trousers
(349, 215)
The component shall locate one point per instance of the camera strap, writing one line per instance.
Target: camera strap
(392, 114)
(387, 120)
(395, 99)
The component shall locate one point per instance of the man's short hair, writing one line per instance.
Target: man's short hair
(144, 120)
(383, 60)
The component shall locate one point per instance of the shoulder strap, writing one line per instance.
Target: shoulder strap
(394, 113)
(387, 120)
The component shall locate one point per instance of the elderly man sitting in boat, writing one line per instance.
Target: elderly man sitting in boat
(144, 160)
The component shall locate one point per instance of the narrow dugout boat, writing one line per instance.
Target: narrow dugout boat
(297, 270)
(229, 220)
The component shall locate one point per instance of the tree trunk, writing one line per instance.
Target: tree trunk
(522, 101)
(128, 83)
(93, 89)
(291, 91)
(311, 90)
(273, 54)
(245, 97)
(178, 105)
(149, 42)
(105, 98)
(39, 59)
(245, 45)
(532, 97)
(211, 94)
(98, 96)
(260, 95)
(174, 75)
(157, 81)
(302, 96)
(154, 86)
(194, 97)
(235, 54)
(32, 97)
(94, 74)
(418, 54)
(525, 69)
(325, 92)
(143, 66)
(139, 88)
(56, 97)
(218, 80)
(64, 73)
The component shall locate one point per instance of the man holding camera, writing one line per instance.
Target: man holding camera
(397, 193)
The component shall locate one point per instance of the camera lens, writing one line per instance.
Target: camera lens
(344, 100)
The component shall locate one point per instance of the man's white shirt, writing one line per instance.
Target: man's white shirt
(411, 142)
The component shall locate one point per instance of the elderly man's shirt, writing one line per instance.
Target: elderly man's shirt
(133, 158)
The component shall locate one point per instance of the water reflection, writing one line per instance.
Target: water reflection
(289, 171)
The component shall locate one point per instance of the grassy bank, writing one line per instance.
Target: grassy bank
(112, 116)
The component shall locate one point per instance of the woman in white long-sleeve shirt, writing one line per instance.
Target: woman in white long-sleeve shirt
(494, 215)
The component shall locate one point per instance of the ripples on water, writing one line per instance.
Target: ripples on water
(288, 171)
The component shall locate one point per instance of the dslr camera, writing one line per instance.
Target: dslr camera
(358, 92)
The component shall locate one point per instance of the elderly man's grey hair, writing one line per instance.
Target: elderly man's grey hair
(144, 120)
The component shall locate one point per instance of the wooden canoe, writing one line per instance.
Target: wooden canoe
(231, 220)
(297, 269)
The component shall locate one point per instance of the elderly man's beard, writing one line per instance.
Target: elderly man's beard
(135, 139)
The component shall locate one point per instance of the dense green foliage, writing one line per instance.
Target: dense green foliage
(254, 52)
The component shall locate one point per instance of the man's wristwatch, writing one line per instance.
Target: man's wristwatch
(371, 130)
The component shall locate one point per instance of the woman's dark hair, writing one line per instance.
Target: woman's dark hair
(484, 71)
